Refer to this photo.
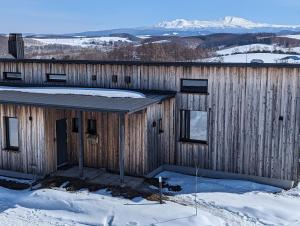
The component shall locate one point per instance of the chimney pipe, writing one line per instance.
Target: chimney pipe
(16, 45)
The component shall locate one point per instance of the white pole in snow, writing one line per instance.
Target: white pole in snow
(160, 190)
(196, 191)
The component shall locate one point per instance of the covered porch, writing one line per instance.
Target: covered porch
(86, 129)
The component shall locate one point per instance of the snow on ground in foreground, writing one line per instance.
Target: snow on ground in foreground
(113, 93)
(220, 203)
(58, 207)
(85, 42)
(247, 202)
(247, 58)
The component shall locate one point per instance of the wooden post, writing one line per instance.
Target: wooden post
(80, 143)
(121, 145)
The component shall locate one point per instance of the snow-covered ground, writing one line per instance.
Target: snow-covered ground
(81, 41)
(219, 202)
(292, 36)
(256, 47)
(247, 58)
(245, 54)
(112, 93)
(239, 202)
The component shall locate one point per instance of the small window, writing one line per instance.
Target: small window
(193, 126)
(75, 125)
(127, 79)
(114, 78)
(12, 76)
(12, 133)
(92, 127)
(160, 126)
(194, 86)
(56, 77)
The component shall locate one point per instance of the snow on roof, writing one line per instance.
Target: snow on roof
(113, 93)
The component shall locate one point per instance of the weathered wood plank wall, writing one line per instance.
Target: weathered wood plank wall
(101, 150)
(244, 105)
(31, 156)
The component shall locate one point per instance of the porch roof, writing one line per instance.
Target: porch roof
(84, 102)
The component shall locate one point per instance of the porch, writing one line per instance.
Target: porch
(100, 176)
(83, 128)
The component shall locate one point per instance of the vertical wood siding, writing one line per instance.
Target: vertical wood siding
(31, 155)
(244, 106)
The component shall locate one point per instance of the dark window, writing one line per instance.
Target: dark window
(114, 78)
(12, 76)
(92, 127)
(75, 125)
(193, 126)
(194, 86)
(94, 77)
(127, 79)
(12, 133)
(56, 77)
(160, 125)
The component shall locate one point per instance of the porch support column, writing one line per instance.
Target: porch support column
(80, 143)
(121, 145)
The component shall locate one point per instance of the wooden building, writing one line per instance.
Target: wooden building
(238, 118)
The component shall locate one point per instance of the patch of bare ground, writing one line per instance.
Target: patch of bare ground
(73, 185)
(14, 185)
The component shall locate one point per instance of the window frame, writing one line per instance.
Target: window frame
(8, 146)
(185, 121)
(49, 79)
(193, 89)
(6, 77)
(89, 129)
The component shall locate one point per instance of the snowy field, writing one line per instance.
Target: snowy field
(219, 202)
(81, 41)
(247, 58)
(256, 47)
(292, 36)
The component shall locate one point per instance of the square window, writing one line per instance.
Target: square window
(193, 126)
(194, 86)
(75, 125)
(12, 133)
(127, 79)
(92, 127)
(114, 78)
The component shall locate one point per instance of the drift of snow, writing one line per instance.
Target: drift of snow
(247, 202)
(81, 41)
(58, 207)
(112, 93)
(227, 22)
(219, 203)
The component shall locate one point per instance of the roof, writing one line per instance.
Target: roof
(152, 63)
(83, 102)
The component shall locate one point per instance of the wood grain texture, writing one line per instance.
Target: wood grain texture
(244, 106)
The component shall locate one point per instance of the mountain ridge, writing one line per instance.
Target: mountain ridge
(226, 22)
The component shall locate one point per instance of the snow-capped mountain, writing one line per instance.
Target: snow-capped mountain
(224, 23)
(182, 27)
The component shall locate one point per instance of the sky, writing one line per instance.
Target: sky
(67, 16)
